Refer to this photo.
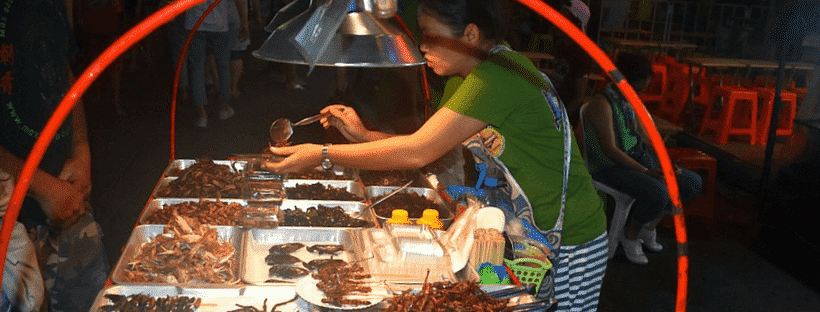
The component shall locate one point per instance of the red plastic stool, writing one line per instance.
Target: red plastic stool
(705, 165)
(736, 117)
(674, 104)
(785, 122)
(656, 90)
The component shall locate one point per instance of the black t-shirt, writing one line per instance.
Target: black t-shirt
(35, 46)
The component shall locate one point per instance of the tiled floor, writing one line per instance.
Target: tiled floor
(738, 262)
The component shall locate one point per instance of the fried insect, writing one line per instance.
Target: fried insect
(288, 272)
(206, 212)
(273, 309)
(414, 203)
(314, 174)
(318, 264)
(338, 281)
(318, 191)
(285, 248)
(248, 308)
(447, 296)
(186, 252)
(140, 302)
(204, 179)
(323, 249)
(321, 216)
(274, 258)
(389, 178)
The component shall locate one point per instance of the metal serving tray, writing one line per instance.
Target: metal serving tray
(182, 164)
(370, 177)
(159, 204)
(213, 299)
(338, 173)
(146, 233)
(446, 214)
(351, 186)
(163, 182)
(354, 209)
(257, 242)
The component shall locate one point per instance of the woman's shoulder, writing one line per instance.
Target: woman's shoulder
(598, 106)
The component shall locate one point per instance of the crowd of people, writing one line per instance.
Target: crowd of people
(492, 99)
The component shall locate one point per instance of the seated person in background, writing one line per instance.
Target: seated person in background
(619, 154)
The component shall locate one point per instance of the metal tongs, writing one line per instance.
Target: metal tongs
(396, 191)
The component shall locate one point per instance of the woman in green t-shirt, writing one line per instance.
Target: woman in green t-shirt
(460, 38)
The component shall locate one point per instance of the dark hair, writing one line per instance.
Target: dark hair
(489, 15)
(635, 67)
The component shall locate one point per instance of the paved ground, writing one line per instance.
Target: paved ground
(736, 264)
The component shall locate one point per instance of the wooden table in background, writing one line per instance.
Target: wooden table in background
(537, 57)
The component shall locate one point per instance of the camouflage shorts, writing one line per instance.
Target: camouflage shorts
(22, 281)
(74, 263)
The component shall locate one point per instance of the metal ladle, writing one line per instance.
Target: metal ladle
(282, 129)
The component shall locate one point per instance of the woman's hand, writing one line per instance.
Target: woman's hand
(347, 121)
(299, 158)
(655, 173)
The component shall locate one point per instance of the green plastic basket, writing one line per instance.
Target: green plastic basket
(529, 270)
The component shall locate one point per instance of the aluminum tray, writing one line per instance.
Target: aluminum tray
(338, 173)
(158, 204)
(257, 242)
(354, 209)
(367, 177)
(163, 182)
(213, 299)
(182, 164)
(446, 214)
(145, 233)
(351, 186)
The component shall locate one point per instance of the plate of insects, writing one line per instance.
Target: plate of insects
(341, 287)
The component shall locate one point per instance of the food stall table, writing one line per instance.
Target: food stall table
(538, 57)
(252, 284)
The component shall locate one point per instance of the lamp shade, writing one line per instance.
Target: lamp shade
(360, 40)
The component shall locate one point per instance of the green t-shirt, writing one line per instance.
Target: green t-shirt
(534, 148)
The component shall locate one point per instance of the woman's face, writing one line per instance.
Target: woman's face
(446, 54)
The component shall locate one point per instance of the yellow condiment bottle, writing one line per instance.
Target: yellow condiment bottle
(399, 216)
(430, 217)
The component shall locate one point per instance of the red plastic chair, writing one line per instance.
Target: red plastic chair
(738, 116)
(693, 159)
(785, 122)
(656, 90)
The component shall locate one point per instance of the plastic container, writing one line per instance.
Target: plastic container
(399, 216)
(429, 217)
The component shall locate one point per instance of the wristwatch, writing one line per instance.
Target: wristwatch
(326, 164)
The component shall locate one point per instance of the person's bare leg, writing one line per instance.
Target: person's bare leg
(236, 73)
(211, 74)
